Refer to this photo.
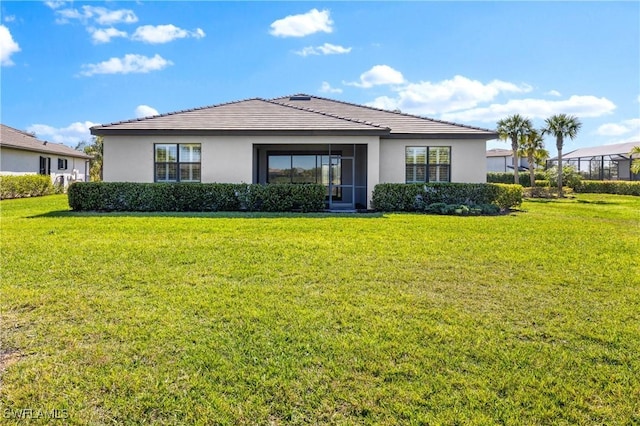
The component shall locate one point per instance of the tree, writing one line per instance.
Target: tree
(531, 144)
(562, 126)
(95, 150)
(514, 127)
(635, 165)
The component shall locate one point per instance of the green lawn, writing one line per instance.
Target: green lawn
(528, 318)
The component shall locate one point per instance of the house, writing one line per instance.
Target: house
(22, 153)
(606, 162)
(501, 160)
(349, 148)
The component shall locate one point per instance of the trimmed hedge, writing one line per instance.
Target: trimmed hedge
(195, 197)
(620, 187)
(420, 196)
(21, 186)
(506, 177)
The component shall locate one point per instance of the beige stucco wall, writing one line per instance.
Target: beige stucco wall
(229, 159)
(225, 159)
(467, 158)
(20, 162)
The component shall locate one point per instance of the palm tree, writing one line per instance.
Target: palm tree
(562, 126)
(513, 127)
(635, 165)
(531, 144)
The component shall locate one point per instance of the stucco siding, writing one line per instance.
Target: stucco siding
(225, 159)
(14, 161)
(467, 158)
(21, 162)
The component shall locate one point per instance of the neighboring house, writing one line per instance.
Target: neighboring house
(606, 162)
(348, 148)
(501, 160)
(22, 153)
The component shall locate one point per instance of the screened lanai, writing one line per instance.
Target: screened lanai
(606, 162)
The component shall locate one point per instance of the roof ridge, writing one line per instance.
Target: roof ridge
(166, 114)
(389, 111)
(328, 114)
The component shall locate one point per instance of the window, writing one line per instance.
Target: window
(45, 165)
(428, 164)
(297, 168)
(177, 162)
(62, 164)
(306, 168)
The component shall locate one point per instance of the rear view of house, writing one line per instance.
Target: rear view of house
(349, 148)
(22, 153)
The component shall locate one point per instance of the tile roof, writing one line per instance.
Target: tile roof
(498, 152)
(399, 123)
(248, 115)
(297, 113)
(17, 139)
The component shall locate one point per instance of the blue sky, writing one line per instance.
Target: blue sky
(69, 65)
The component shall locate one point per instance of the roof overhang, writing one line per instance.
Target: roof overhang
(476, 136)
(42, 151)
(105, 131)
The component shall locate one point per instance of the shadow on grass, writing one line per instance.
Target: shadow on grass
(568, 200)
(597, 202)
(211, 215)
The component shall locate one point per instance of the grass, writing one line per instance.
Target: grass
(530, 318)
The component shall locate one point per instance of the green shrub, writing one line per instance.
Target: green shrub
(619, 187)
(570, 176)
(506, 177)
(20, 186)
(128, 196)
(433, 197)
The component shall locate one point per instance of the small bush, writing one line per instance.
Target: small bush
(619, 187)
(505, 177)
(432, 197)
(20, 186)
(570, 176)
(128, 196)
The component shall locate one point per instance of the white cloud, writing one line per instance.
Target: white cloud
(384, 102)
(621, 128)
(104, 35)
(104, 16)
(157, 34)
(70, 135)
(378, 75)
(325, 49)
(457, 93)
(7, 46)
(145, 111)
(99, 15)
(553, 93)
(326, 88)
(10, 18)
(581, 106)
(54, 4)
(302, 25)
(130, 63)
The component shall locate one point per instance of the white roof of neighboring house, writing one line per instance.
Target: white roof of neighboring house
(297, 114)
(619, 150)
(17, 139)
(498, 152)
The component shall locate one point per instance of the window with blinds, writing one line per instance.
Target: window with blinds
(427, 164)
